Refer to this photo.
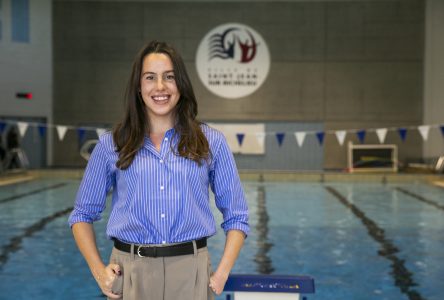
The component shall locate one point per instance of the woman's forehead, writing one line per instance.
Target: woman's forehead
(157, 61)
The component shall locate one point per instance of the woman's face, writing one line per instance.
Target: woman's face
(158, 87)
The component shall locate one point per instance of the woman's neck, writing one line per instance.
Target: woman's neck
(159, 126)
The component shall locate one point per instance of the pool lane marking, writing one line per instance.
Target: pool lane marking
(402, 276)
(421, 198)
(262, 258)
(14, 197)
(15, 243)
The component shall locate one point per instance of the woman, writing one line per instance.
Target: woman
(160, 162)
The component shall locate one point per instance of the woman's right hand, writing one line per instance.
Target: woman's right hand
(105, 277)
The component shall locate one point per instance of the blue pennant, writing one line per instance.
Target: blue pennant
(280, 137)
(42, 130)
(402, 133)
(240, 138)
(442, 130)
(81, 134)
(2, 127)
(361, 135)
(320, 136)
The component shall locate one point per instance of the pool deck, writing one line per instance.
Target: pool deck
(15, 177)
(254, 175)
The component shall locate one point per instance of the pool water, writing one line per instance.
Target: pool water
(358, 241)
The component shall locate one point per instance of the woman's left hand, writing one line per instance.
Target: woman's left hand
(217, 282)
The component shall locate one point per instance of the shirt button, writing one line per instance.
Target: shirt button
(166, 139)
(161, 187)
(161, 161)
(163, 242)
(162, 215)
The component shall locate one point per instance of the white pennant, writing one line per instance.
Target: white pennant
(260, 136)
(424, 131)
(22, 126)
(100, 131)
(300, 137)
(340, 135)
(381, 132)
(61, 131)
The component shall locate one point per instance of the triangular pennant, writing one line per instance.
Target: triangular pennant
(442, 130)
(240, 138)
(340, 135)
(280, 138)
(2, 127)
(424, 131)
(61, 131)
(22, 126)
(300, 137)
(100, 131)
(260, 136)
(361, 135)
(42, 130)
(320, 136)
(381, 133)
(81, 134)
(402, 133)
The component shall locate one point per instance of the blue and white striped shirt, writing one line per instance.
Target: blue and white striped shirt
(162, 198)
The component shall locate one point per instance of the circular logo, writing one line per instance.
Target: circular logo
(232, 60)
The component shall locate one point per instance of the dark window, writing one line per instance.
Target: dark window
(20, 20)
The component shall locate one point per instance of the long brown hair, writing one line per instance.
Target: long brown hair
(129, 134)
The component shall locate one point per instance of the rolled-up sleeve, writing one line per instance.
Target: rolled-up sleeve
(96, 183)
(227, 188)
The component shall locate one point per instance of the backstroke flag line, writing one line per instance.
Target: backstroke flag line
(424, 131)
(381, 133)
(61, 131)
(340, 135)
(300, 137)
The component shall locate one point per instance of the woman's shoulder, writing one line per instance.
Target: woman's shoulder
(212, 134)
(106, 140)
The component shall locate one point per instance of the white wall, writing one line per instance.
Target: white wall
(27, 67)
(434, 76)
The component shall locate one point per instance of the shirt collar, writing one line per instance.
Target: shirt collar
(170, 134)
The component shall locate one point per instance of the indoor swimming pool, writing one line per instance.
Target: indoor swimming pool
(357, 240)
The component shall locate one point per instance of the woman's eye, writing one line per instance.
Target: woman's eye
(170, 77)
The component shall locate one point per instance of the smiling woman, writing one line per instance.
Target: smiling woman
(160, 163)
(159, 72)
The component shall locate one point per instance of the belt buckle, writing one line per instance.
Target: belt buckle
(154, 251)
(138, 251)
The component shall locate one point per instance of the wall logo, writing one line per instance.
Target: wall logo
(232, 60)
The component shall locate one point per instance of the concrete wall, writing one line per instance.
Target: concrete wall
(346, 64)
(27, 66)
(288, 155)
(434, 77)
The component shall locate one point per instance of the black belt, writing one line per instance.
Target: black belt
(161, 251)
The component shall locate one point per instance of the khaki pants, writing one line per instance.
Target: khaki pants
(184, 277)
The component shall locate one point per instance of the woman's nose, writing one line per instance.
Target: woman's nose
(160, 84)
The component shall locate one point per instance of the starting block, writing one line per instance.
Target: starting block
(268, 287)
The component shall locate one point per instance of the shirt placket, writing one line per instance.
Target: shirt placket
(163, 189)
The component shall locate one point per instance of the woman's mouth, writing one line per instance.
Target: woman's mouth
(161, 98)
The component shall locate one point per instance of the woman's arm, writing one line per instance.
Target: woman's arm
(234, 242)
(86, 241)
